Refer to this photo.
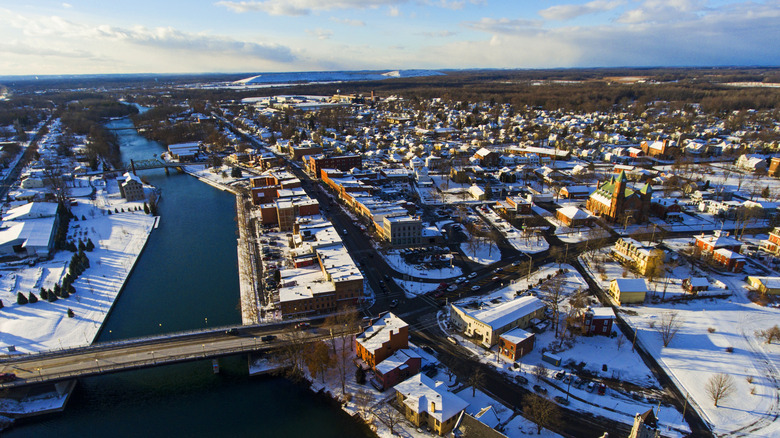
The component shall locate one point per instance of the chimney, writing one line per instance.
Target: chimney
(433, 406)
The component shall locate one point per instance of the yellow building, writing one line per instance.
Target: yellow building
(426, 403)
(765, 285)
(628, 290)
(642, 258)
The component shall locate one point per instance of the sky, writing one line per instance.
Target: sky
(195, 36)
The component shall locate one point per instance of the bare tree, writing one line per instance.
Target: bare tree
(720, 386)
(541, 411)
(363, 400)
(552, 291)
(390, 416)
(668, 327)
(291, 354)
(620, 341)
(341, 328)
(477, 378)
(769, 335)
(540, 372)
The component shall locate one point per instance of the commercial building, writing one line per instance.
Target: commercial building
(486, 324)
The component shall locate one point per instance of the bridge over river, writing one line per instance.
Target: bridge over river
(131, 354)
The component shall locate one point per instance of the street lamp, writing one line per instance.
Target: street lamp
(530, 263)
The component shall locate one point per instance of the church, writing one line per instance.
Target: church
(617, 203)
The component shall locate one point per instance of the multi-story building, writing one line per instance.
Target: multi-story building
(131, 187)
(402, 230)
(718, 240)
(617, 203)
(426, 403)
(628, 290)
(642, 258)
(772, 244)
(383, 338)
(315, 163)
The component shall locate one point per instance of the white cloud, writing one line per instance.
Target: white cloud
(393, 11)
(320, 34)
(504, 25)
(348, 22)
(67, 5)
(439, 34)
(664, 11)
(567, 12)
(303, 7)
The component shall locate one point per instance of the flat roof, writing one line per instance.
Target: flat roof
(505, 313)
(517, 335)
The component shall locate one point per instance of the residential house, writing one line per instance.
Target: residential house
(383, 338)
(729, 260)
(772, 244)
(428, 404)
(694, 285)
(765, 285)
(597, 321)
(400, 366)
(718, 240)
(572, 216)
(628, 290)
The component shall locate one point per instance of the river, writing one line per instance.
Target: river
(186, 278)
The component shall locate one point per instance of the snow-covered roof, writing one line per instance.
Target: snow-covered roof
(699, 282)
(397, 360)
(517, 335)
(573, 212)
(380, 332)
(503, 314)
(32, 210)
(424, 395)
(631, 284)
(603, 313)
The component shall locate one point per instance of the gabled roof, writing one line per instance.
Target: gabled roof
(424, 395)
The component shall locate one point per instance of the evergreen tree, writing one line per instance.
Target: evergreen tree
(44, 294)
(82, 247)
(72, 246)
(109, 212)
(83, 218)
(71, 289)
(84, 261)
(236, 173)
(146, 208)
(70, 313)
(90, 246)
(64, 293)
(116, 211)
(21, 299)
(32, 298)
(51, 297)
(1, 304)
(57, 289)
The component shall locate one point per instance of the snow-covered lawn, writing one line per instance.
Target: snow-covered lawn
(397, 262)
(482, 252)
(519, 241)
(118, 238)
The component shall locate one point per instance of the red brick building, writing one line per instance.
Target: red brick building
(316, 163)
(729, 260)
(598, 321)
(515, 343)
(385, 336)
(718, 240)
(395, 369)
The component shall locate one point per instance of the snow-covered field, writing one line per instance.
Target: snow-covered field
(716, 336)
(118, 238)
(397, 262)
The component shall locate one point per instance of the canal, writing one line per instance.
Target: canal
(186, 278)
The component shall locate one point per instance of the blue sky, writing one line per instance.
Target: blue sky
(176, 36)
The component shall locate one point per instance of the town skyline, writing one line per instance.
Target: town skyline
(42, 38)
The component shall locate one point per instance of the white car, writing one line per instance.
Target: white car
(475, 287)
(472, 275)
(460, 280)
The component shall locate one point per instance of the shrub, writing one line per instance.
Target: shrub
(729, 349)
(711, 329)
(70, 313)
(749, 379)
(89, 246)
(21, 299)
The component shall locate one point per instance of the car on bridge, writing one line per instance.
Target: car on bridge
(268, 338)
(232, 331)
(7, 377)
(302, 325)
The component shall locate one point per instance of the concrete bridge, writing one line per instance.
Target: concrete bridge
(132, 354)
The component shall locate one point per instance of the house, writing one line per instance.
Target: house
(772, 244)
(642, 258)
(628, 290)
(489, 322)
(400, 366)
(384, 337)
(515, 343)
(29, 230)
(487, 158)
(752, 163)
(477, 426)
(426, 403)
(667, 209)
(575, 192)
(661, 149)
(765, 285)
(617, 203)
(718, 240)
(694, 285)
(572, 216)
(598, 321)
(729, 260)
(645, 426)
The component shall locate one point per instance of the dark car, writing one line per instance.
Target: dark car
(268, 338)
(540, 389)
(7, 377)
(561, 400)
(394, 303)
(232, 331)
(521, 379)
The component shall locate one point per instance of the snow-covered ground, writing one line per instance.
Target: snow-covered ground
(397, 262)
(519, 240)
(483, 252)
(118, 238)
(716, 336)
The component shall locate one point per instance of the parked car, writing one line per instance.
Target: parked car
(560, 375)
(460, 280)
(302, 325)
(521, 379)
(452, 288)
(497, 270)
(591, 386)
(472, 275)
(475, 287)
(561, 400)
(393, 303)
(602, 389)
(578, 382)
(268, 338)
(7, 377)
(232, 331)
(540, 389)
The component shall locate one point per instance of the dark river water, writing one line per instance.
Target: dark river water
(186, 278)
